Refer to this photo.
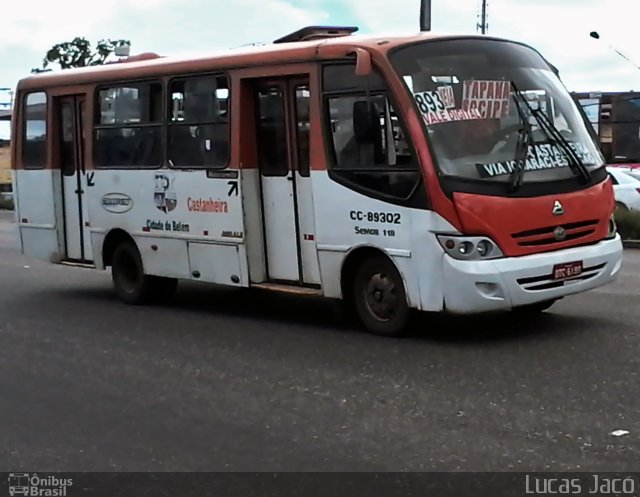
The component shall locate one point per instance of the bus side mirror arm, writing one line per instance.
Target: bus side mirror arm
(363, 62)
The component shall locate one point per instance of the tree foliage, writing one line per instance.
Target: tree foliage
(79, 53)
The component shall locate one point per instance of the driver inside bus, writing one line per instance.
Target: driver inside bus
(471, 137)
(481, 135)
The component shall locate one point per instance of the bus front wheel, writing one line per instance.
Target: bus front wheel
(379, 297)
(131, 284)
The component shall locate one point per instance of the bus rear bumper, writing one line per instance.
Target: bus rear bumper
(479, 286)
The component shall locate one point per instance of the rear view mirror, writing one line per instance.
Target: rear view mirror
(366, 123)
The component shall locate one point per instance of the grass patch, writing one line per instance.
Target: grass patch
(6, 203)
(628, 224)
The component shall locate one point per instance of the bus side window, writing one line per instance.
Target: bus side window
(198, 122)
(365, 135)
(303, 128)
(34, 145)
(128, 131)
(67, 151)
(272, 137)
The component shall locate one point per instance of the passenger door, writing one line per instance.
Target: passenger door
(71, 112)
(287, 204)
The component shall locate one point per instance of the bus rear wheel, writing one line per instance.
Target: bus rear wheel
(131, 284)
(379, 297)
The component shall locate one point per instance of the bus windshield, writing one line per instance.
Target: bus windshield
(488, 105)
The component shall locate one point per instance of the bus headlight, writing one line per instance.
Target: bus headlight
(470, 247)
(465, 248)
(484, 248)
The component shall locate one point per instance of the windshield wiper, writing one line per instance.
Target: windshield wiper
(525, 138)
(576, 165)
(555, 137)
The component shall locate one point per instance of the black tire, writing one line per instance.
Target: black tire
(131, 284)
(536, 308)
(379, 297)
(620, 207)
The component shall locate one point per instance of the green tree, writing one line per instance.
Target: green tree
(79, 53)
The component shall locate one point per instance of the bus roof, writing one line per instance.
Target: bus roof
(281, 51)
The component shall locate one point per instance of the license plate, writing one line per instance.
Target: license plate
(568, 270)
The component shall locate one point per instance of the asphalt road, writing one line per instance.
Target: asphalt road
(217, 383)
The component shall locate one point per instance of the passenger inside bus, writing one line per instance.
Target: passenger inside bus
(198, 126)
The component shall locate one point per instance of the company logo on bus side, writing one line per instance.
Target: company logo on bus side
(118, 203)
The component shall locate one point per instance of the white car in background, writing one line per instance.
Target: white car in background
(626, 189)
(630, 169)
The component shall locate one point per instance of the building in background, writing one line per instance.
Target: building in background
(5, 151)
(615, 117)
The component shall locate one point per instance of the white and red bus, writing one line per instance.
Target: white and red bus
(397, 174)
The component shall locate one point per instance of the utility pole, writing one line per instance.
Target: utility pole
(483, 25)
(425, 15)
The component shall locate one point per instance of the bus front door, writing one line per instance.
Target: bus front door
(282, 178)
(74, 178)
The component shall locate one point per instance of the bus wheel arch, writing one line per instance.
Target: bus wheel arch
(131, 284)
(374, 291)
(114, 238)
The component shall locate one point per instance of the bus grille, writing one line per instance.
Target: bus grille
(546, 236)
(546, 281)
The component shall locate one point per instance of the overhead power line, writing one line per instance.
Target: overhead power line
(483, 15)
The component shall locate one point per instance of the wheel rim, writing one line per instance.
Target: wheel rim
(128, 274)
(381, 297)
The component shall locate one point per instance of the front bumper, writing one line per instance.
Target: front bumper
(479, 286)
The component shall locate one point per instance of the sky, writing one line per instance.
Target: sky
(559, 29)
